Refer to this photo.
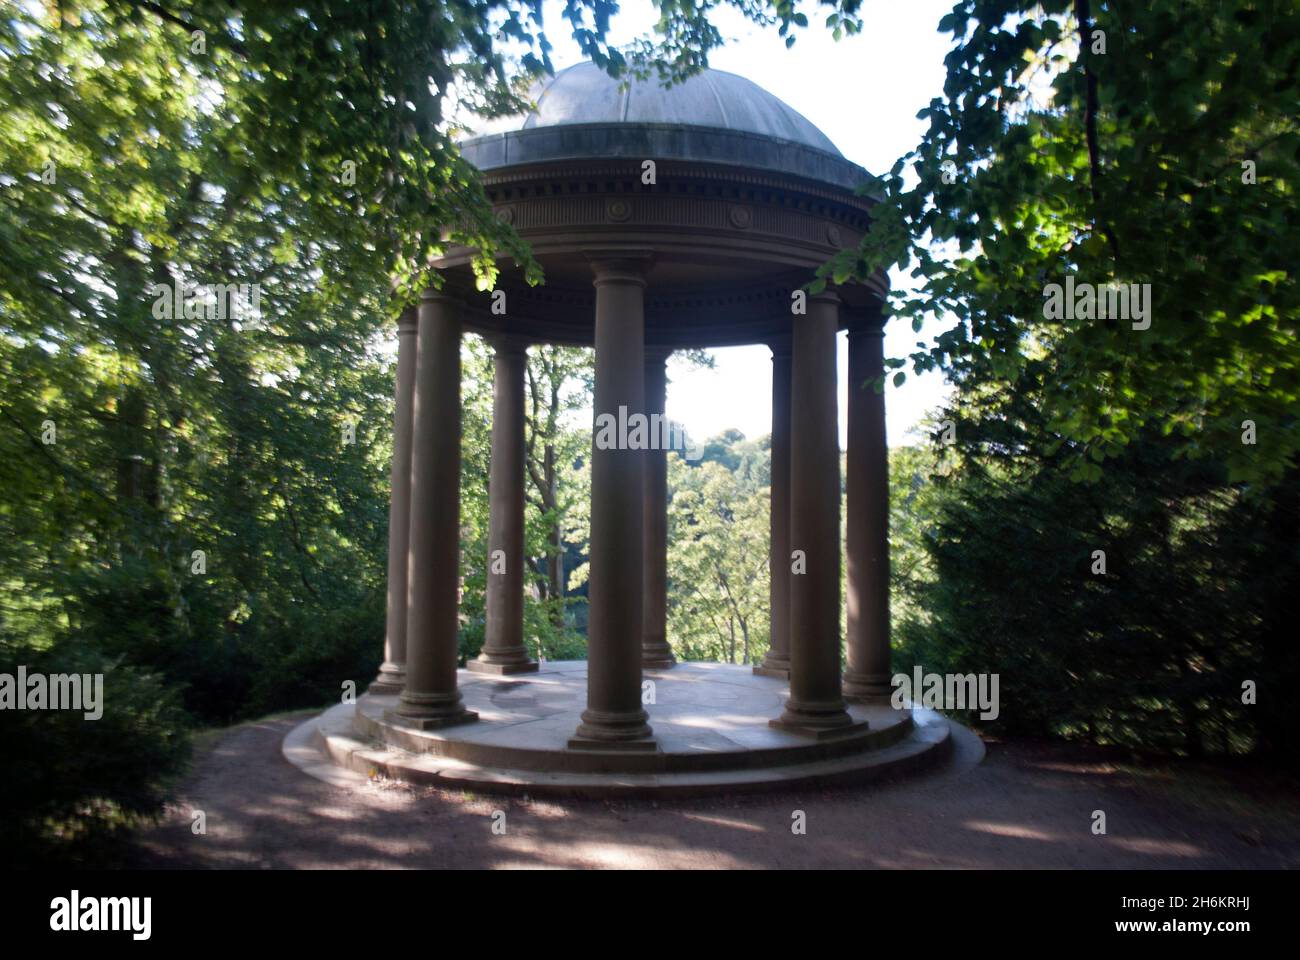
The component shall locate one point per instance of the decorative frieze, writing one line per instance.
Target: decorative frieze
(684, 214)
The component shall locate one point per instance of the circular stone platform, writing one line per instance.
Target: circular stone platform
(710, 722)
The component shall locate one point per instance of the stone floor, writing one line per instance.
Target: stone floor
(710, 722)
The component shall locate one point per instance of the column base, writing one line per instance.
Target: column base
(657, 656)
(430, 723)
(857, 728)
(614, 731)
(820, 720)
(501, 667)
(774, 666)
(430, 711)
(867, 687)
(389, 681)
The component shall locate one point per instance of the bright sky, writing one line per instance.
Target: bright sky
(864, 93)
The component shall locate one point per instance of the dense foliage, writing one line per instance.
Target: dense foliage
(718, 551)
(195, 503)
(196, 486)
(1131, 611)
(1108, 143)
(1153, 143)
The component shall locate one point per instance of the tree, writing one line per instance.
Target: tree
(1148, 144)
(559, 380)
(209, 211)
(718, 558)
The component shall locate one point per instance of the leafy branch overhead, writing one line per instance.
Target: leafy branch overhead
(1112, 143)
(300, 91)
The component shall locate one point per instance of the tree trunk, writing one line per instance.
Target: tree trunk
(556, 560)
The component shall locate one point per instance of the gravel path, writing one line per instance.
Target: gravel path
(1023, 805)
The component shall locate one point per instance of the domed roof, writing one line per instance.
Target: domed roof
(718, 117)
(584, 93)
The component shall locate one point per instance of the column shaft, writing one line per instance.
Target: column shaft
(815, 704)
(431, 697)
(392, 674)
(777, 661)
(503, 645)
(614, 716)
(655, 651)
(867, 674)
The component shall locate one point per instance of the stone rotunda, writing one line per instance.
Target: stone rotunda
(665, 219)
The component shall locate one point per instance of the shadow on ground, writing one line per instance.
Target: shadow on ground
(1024, 805)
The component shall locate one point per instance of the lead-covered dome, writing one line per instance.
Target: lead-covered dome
(584, 93)
(713, 117)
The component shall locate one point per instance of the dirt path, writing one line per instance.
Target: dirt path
(1024, 805)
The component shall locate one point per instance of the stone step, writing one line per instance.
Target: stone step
(328, 746)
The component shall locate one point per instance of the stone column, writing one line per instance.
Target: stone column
(431, 698)
(867, 675)
(777, 662)
(816, 706)
(503, 645)
(614, 718)
(392, 674)
(655, 651)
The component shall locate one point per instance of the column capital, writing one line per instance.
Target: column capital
(433, 295)
(620, 266)
(408, 321)
(779, 345)
(509, 343)
(866, 320)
